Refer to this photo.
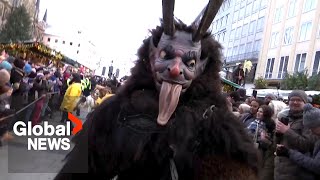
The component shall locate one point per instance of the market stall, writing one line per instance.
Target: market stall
(36, 52)
(229, 86)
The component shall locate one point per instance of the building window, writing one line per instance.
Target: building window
(263, 4)
(222, 36)
(256, 5)
(229, 53)
(283, 67)
(235, 51)
(257, 45)
(232, 33)
(242, 49)
(217, 24)
(300, 61)
(48, 39)
(238, 32)
(227, 3)
(305, 31)
(248, 47)
(221, 22)
(245, 30)
(278, 15)
(309, 5)
(292, 10)
(274, 39)
(288, 36)
(241, 13)
(227, 17)
(269, 68)
(56, 41)
(316, 62)
(252, 27)
(235, 16)
(260, 24)
(248, 10)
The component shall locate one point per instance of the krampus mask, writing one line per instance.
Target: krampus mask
(176, 61)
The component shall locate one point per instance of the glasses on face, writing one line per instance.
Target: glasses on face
(298, 100)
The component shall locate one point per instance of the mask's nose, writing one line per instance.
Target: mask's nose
(174, 69)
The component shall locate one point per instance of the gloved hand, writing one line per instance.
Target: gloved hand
(282, 151)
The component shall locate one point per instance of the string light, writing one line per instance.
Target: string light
(33, 48)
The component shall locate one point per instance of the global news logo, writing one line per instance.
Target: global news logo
(46, 136)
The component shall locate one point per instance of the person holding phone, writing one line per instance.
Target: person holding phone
(311, 120)
(294, 136)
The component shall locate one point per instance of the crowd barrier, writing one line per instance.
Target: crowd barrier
(25, 107)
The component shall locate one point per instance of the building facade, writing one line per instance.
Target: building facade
(5, 8)
(291, 40)
(239, 27)
(75, 46)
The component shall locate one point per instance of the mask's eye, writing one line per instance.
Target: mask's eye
(191, 63)
(162, 54)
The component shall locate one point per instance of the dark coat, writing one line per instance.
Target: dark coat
(310, 163)
(300, 138)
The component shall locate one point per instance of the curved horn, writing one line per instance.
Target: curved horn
(210, 12)
(168, 20)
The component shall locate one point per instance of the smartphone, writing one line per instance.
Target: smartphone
(285, 120)
(254, 93)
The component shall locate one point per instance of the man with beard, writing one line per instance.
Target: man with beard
(169, 119)
(294, 135)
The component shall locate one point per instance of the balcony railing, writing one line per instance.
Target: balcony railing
(239, 57)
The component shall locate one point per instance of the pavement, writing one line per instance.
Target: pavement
(17, 163)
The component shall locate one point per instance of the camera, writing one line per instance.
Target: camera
(279, 136)
(285, 120)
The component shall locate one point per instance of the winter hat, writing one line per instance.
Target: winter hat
(299, 93)
(32, 75)
(6, 65)
(271, 96)
(19, 63)
(46, 72)
(27, 68)
(311, 116)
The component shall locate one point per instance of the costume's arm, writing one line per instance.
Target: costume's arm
(311, 164)
(303, 142)
(222, 137)
(93, 147)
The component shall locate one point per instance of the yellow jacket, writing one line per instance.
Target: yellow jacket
(71, 97)
(99, 100)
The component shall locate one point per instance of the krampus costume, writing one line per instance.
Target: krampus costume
(169, 120)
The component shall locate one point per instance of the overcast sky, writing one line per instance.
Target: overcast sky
(117, 28)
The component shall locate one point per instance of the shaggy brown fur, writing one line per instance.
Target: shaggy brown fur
(125, 140)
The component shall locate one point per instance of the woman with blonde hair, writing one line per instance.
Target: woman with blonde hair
(104, 93)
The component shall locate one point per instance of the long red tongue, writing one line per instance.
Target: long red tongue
(168, 101)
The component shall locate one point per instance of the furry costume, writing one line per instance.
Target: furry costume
(149, 131)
